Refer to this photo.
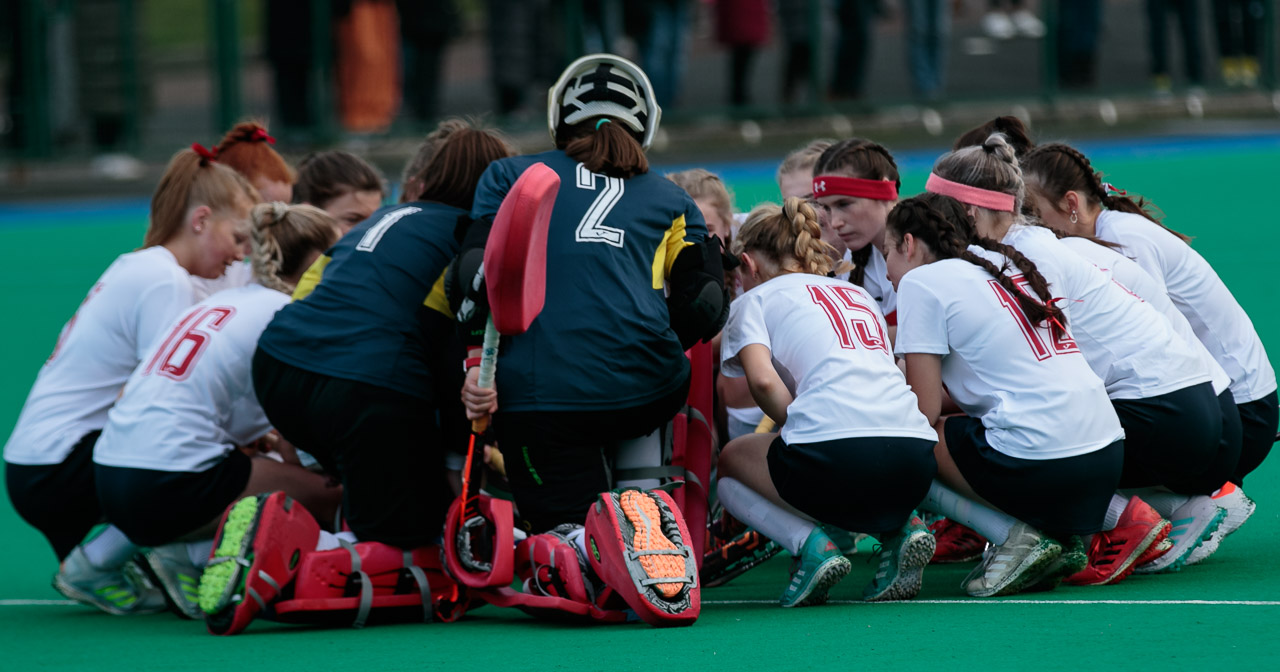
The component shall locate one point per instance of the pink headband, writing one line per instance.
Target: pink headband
(835, 185)
(983, 198)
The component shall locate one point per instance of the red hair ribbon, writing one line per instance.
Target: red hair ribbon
(1109, 189)
(261, 134)
(206, 155)
(836, 185)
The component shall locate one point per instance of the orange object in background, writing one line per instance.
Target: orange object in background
(368, 66)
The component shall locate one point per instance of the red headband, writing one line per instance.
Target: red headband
(261, 134)
(983, 198)
(835, 185)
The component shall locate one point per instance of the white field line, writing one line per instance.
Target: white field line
(36, 603)
(1237, 603)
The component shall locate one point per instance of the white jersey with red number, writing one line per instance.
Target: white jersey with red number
(237, 275)
(191, 401)
(830, 345)
(1127, 343)
(1127, 272)
(1215, 315)
(1034, 391)
(120, 318)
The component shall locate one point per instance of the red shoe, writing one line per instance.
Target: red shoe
(956, 543)
(1114, 554)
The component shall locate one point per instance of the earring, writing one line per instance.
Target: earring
(1074, 217)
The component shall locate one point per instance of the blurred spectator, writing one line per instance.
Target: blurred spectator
(1007, 18)
(853, 47)
(793, 19)
(601, 25)
(1188, 12)
(111, 82)
(743, 27)
(662, 29)
(367, 63)
(1239, 25)
(290, 51)
(928, 35)
(1079, 27)
(525, 44)
(425, 29)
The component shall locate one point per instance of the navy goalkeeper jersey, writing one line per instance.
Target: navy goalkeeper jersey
(366, 319)
(603, 340)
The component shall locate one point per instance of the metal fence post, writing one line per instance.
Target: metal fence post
(321, 102)
(815, 55)
(37, 130)
(1049, 59)
(226, 58)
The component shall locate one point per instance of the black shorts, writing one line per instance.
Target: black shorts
(868, 484)
(1258, 420)
(1175, 440)
(1060, 497)
(558, 462)
(155, 507)
(60, 500)
(384, 445)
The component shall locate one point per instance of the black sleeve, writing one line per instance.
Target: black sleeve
(699, 302)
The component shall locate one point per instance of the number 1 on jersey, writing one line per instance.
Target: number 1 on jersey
(854, 322)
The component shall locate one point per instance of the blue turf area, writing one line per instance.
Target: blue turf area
(1224, 612)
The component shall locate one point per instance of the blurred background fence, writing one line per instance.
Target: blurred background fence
(85, 78)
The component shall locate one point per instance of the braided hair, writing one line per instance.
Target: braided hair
(283, 237)
(1056, 168)
(862, 158)
(942, 224)
(789, 235)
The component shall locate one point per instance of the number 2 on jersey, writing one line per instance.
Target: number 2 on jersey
(854, 322)
(591, 228)
(184, 345)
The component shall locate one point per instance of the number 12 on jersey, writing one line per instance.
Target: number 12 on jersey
(855, 323)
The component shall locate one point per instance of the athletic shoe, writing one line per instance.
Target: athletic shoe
(1028, 24)
(1193, 523)
(734, 557)
(1238, 507)
(845, 540)
(956, 542)
(819, 566)
(902, 561)
(256, 552)
(1023, 560)
(1072, 560)
(171, 569)
(1155, 551)
(998, 25)
(111, 590)
(1114, 553)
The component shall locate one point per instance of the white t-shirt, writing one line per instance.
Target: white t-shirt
(876, 281)
(1215, 315)
(191, 401)
(121, 317)
(1128, 273)
(237, 275)
(830, 344)
(1036, 395)
(1127, 343)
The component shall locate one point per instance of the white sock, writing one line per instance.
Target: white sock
(329, 541)
(198, 552)
(1114, 510)
(1163, 501)
(768, 518)
(990, 523)
(640, 453)
(110, 549)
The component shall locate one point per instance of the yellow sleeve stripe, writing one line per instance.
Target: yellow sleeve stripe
(436, 300)
(672, 242)
(311, 278)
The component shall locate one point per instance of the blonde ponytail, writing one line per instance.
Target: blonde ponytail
(789, 236)
(283, 237)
